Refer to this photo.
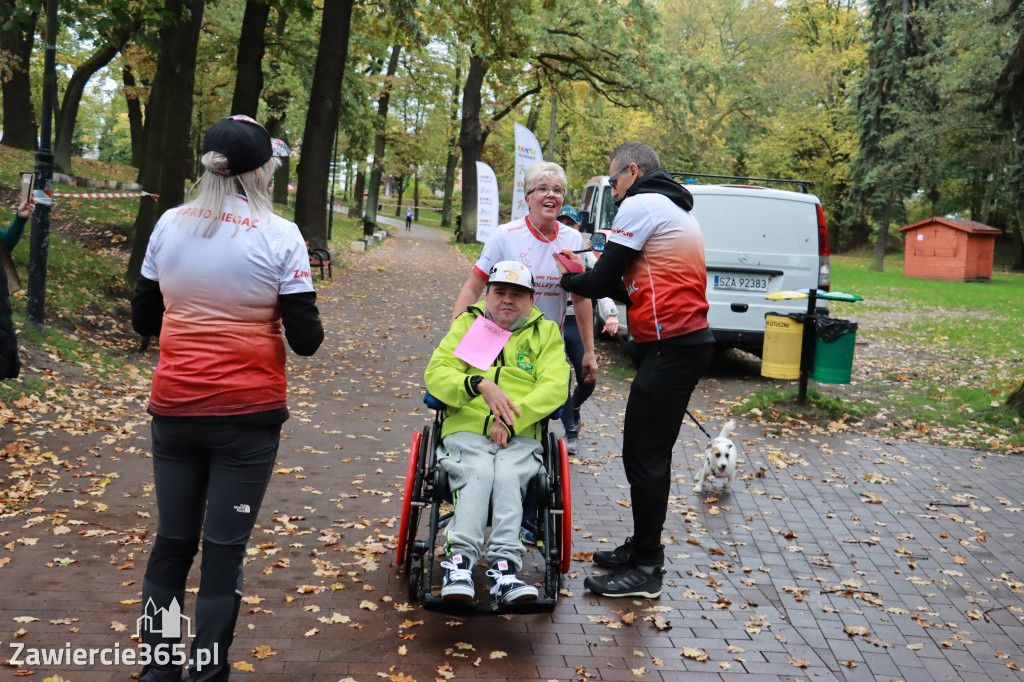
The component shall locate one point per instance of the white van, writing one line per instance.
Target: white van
(757, 240)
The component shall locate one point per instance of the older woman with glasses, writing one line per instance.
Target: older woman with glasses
(533, 241)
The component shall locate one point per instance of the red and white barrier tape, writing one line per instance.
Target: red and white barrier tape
(109, 195)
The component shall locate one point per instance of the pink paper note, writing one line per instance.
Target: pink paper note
(482, 343)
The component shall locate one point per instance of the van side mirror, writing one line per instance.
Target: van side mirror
(597, 241)
(586, 223)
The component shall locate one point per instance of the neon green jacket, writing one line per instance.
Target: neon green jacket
(531, 369)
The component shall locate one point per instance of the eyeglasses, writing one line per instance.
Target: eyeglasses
(611, 180)
(544, 189)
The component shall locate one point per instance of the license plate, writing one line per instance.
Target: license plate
(741, 282)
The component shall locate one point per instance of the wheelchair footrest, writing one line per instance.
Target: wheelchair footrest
(455, 607)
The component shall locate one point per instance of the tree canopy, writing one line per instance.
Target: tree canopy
(892, 111)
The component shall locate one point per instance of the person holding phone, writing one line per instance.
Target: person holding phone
(655, 256)
(12, 235)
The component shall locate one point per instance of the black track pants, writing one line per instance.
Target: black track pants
(669, 371)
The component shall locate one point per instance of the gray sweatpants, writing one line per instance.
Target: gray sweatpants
(483, 476)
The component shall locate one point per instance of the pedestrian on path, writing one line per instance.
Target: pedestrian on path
(492, 429)
(655, 256)
(570, 217)
(408, 218)
(222, 275)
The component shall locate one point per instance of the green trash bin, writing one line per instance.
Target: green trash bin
(833, 350)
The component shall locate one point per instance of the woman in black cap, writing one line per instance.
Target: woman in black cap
(222, 275)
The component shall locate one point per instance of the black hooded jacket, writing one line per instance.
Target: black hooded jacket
(605, 280)
(658, 181)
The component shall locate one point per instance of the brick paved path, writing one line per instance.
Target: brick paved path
(840, 558)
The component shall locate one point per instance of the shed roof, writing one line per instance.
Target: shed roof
(961, 224)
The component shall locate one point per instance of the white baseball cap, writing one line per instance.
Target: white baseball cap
(511, 272)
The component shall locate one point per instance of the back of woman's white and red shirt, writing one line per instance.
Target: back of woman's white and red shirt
(221, 351)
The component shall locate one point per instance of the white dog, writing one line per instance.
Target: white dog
(719, 460)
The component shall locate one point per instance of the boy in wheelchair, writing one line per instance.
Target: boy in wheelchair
(492, 428)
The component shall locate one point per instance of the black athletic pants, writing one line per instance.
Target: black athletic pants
(210, 480)
(669, 371)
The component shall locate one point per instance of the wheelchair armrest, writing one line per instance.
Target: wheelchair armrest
(435, 404)
(432, 402)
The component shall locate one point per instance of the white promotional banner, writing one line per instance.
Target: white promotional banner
(527, 153)
(486, 201)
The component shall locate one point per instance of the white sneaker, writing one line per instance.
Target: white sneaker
(458, 580)
(505, 586)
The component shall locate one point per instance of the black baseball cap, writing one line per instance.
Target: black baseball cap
(244, 142)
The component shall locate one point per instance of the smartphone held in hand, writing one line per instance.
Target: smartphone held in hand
(28, 182)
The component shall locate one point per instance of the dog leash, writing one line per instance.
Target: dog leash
(698, 423)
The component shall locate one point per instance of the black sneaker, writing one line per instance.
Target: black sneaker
(458, 579)
(615, 558)
(627, 581)
(571, 442)
(506, 586)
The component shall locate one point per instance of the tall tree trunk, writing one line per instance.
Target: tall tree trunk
(400, 183)
(67, 115)
(252, 45)
(416, 195)
(882, 238)
(19, 115)
(1017, 237)
(453, 160)
(380, 139)
(322, 121)
(471, 140)
(532, 119)
(135, 124)
(552, 129)
(277, 106)
(357, 204)
(168, 123)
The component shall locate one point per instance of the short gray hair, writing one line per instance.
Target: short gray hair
(645, 158)
(539, 170)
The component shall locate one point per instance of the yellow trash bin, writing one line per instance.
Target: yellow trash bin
(783, 339)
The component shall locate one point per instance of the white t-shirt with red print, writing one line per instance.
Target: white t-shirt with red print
(221, 351)
(520, 241)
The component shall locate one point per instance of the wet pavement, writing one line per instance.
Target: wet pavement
(836, 557)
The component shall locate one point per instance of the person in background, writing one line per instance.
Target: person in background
(221, 277)
(570, 217)
(655, 256)
(10, 363)
(12, 235)
(408, 218)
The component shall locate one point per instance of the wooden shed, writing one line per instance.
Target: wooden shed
(950, 248)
